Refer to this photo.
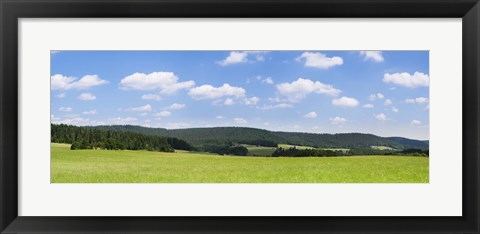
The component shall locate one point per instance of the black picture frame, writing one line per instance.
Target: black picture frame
(12, 10)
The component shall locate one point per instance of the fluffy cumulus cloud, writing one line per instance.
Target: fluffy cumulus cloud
(220, 117)
(87, 97)
(394, 109)
(375, 56)
(163, 114)
(251, 101)
(381, 117)
(236, 57)
(61, 82)
(61, 95)
(75, 120)
(233, 58)
(211, 92)
(388, 102)
(228, 102)
(345, 101)
(418, 79)
(276, 106)
(65, 109)
(338, 120)
(418, 100)
(319, 60)
(416, 122)
(310, 115)
(166, 82)
(267, 80)
(90, 112)
(421, 100)
(146, 108)
(176, 106)
(122, 121)
(240, 121)
(375, 96)
(154, 97)
(299, 89)
(368, 106)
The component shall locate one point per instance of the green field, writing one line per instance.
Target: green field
(382, 147)
(123, 166)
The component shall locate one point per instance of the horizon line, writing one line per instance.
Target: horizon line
(151, 127)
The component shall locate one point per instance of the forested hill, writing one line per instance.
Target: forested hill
(92, 138)
(200, 137)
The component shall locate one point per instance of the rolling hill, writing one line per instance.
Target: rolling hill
(227, 135)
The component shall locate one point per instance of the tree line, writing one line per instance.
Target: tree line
(295, 152)
(200, 137)
(91, 138)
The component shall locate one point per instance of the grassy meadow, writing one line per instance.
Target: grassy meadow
(124, 166)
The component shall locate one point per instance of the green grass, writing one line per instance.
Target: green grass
(104, 166)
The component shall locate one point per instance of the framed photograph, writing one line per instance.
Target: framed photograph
(239, 116)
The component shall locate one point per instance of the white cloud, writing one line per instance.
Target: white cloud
(251, 101)
(299, 89)
(228, 102)
(421, 100)
(267, 80)
(381, 117)
(260, 57)
(154, 97)
(394, 109)
(375, 56)
(375, 96)
(59, 81)
(345, 101)
(418, 79)
(269, 107)
(166, 82)
(388, 102)
(87, 97)
(163, 114)
(65, 109)
(233, 58)
(416, 122)
(122, 121)
(368, 106)
(146, 108)
(236, 57)
(78, 121)
(220, 117)
(210, 92)
(90, 112)
(240, 121)
(338, 120)
(176, 106)
(418, 100)
(61, 95)
(87, 82)
(310, 115)
(54, 119)
(319, 60)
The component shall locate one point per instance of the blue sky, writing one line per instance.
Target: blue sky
(380, 92)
